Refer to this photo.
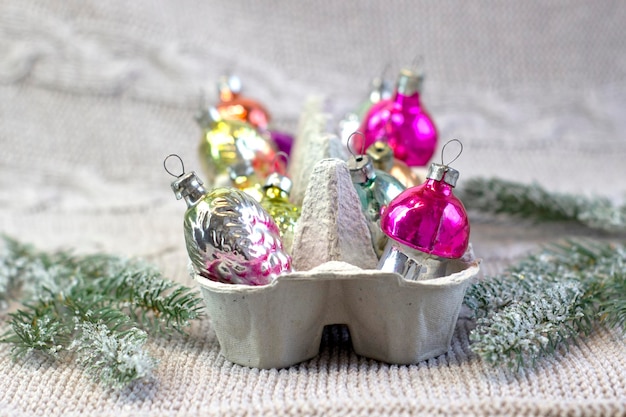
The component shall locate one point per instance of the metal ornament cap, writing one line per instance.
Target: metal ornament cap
(429, 218)
(443, 173)
(188, 186)
(409, 82)
(361, 169)
(279, 181)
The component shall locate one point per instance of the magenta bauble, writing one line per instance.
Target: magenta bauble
(403, 122)
(429, 217)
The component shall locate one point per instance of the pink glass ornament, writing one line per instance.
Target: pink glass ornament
(402, 122)
(429, 217)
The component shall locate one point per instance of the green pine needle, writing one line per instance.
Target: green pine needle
(548, 301)
(96, 309)
(498, 196)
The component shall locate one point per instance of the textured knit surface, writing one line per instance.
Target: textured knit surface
(93, 96)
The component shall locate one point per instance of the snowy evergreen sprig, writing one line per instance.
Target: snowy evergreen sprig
(498, 196)
(547, 301)
(96, 309)
(114, 357)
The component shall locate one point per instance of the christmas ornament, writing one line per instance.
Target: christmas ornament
(426, 224)
(375, 189)
(225, 142)
(382, 157)
(380, 89)
(245, 179)
(282, 140)
(233, 106)
(276, 202)
(229, 237)
(403, 122)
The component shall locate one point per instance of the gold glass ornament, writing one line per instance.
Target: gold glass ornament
(276, 202)
(382, 157)
(227, 142)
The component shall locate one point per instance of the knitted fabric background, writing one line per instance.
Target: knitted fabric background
(93, 96)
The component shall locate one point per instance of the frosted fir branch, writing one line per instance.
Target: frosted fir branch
(115, 358)
(37, 330)
(17, 268)
(523, 279)
(95, 308)
(157, 304)
(548, 301)
(523, 332)
(134, 286)
(498, 196)
(101, 339)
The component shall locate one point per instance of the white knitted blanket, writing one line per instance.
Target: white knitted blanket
(93, 96)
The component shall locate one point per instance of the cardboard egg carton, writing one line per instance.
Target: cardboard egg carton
(389, 318)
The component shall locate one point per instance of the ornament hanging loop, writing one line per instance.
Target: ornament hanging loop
(417, 64)
(182, 165)
(358, 157)
(457, 155)
(277, 158)
(385, 71)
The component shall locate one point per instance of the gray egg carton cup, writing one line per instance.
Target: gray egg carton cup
(389, 318)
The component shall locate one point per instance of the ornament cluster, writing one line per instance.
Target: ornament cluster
(239, 229)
